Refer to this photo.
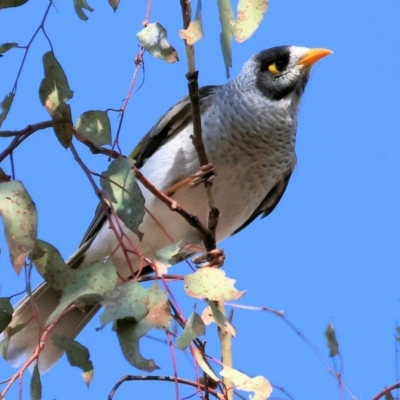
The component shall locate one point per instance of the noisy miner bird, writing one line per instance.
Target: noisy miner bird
(249, 133)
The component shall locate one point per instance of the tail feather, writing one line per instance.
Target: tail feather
(33, 313)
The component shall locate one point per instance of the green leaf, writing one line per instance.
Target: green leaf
(259, 385)
(128, 202)
(331, 340)
(12, 330)
(36, 385)
(125, 301)
(114, 4)
(211, 283)
(7, 46)
(220, 319)
(154, 39)
(88, 284)
(5, 106)
(193, 329)
(194, 32)
(20, 221)
(77, 355)
(11, 3)
(130, 332)
(389, 396)
(6, 335)
(50, 265)
(54, 91)
(250, 13)
(6, 312)
(170, 254)
(62, 124)
(79, 5)
(227, 21)
(4, 348)
(95, 126)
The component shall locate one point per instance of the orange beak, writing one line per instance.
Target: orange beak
(312, 56)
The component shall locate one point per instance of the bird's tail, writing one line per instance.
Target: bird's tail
(32, 312)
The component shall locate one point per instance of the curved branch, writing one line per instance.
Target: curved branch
(386, 391)
(21, 135)
(198, 385)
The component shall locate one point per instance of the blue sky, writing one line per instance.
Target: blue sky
(329, 252)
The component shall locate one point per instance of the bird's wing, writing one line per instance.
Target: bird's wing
(168, 126)
(270, 201)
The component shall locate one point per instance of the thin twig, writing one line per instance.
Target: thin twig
(183, 381)
(281, 389)
(386, 391)
(138, 64)
(96, 149)
(115, 224)
(20, 136)
(166, 277)
(311, 345)
(27, 47)
(39, 348)
(193, 86)
(192, 220)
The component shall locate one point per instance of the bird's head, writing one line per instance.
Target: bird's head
(282, 72)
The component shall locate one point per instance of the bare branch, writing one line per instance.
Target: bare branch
(20, 136)
(38, 350)
(197, 385)
(206, 234)
(386, 391)
(193, 86)
(96, 149)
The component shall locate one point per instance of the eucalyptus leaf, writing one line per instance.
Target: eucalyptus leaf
(20, 221)
(227, 21)
(79, 5)
(154, 39)
(5, 106)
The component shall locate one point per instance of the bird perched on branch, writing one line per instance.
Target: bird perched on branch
(249, 133)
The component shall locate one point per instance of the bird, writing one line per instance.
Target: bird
(249, 129)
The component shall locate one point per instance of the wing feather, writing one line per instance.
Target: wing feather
(174, 121)
(270, 201)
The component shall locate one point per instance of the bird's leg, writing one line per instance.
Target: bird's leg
(205, 174)
(214, 258)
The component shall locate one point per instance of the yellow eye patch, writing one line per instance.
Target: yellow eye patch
(273, 69)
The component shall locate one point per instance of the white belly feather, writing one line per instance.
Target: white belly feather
(247, 165)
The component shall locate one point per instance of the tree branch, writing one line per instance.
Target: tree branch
(206, 234)
(96, 149)
(193, 86)
(386, 391)
(39, 348)
(198, 385)
(20, 136)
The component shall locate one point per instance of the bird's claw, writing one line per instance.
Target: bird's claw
(214, 258)
(205, 174)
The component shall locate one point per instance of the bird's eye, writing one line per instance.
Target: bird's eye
(277, 67)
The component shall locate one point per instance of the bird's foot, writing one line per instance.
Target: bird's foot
(214, 258)
(205, 174)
